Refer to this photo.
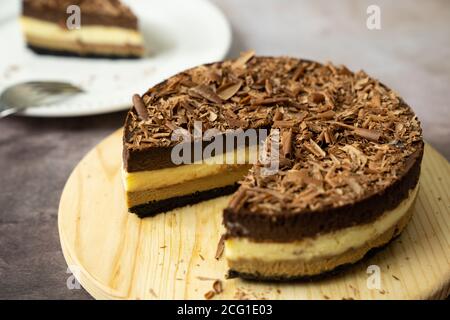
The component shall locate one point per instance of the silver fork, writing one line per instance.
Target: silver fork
(23, 95)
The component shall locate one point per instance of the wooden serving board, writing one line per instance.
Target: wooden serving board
(116, 255)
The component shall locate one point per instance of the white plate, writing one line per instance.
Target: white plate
(181, 34)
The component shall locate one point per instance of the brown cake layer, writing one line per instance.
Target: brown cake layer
(93, 12)
(155, 207)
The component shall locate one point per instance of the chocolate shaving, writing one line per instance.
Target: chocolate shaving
(228, 91)
(140, 107)
(315, 149)
(202, 278)
(283, 124)
(220, 247)
(286, 141)
(232, 120)
(268, 101)
(323, 115)
(238, 199)
(209, 295)
(368, 134)
(207, 93)
(243, 59)
(217, 287)
(298, 72)
(268, 86)
(278, 115)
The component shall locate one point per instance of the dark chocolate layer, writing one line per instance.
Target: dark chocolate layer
(63, 53)
(108, 13)
(155, 207)
(287, 226)
(143, 159)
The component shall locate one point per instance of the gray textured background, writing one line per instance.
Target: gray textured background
(411, 54)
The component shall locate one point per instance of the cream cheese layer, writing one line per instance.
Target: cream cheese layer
(90, 34)
(321, 246)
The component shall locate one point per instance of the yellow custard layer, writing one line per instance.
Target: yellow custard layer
(100, 35)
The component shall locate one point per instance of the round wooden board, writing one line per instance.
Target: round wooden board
(116, 255)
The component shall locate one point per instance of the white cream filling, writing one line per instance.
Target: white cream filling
(155, 179)
(329, 244)
(105, 35)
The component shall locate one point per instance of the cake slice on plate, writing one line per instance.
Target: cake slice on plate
(350, 153)
(108, 28)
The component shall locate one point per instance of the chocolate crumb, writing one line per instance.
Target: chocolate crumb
(209, 295)
(153, 293)
(217, 286)
(205, 278)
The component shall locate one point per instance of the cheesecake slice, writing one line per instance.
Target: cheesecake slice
(107, 28)
(348, 155)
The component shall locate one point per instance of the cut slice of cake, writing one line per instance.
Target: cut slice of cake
(349, 153)
(107, 28)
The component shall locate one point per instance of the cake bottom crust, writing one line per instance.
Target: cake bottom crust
(154, 207)
(299, 269)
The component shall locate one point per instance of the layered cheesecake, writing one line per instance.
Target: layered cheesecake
(107, 28)
(348, 153)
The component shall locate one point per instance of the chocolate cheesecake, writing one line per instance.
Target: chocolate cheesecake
(348, 153)
(107, 28)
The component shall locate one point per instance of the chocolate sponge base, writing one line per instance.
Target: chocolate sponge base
(63, 53)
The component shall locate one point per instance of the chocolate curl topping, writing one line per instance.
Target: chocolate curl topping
(238, 199)
(268, 101)
(287, 143)
(140, 107)
(369, 134)
(228, 91)
(207, 93)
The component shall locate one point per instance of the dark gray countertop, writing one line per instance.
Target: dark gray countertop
(411, 54)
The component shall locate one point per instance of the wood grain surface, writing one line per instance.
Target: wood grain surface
(116, 255)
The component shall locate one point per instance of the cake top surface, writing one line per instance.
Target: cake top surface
(111, 8)
(343, 135)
